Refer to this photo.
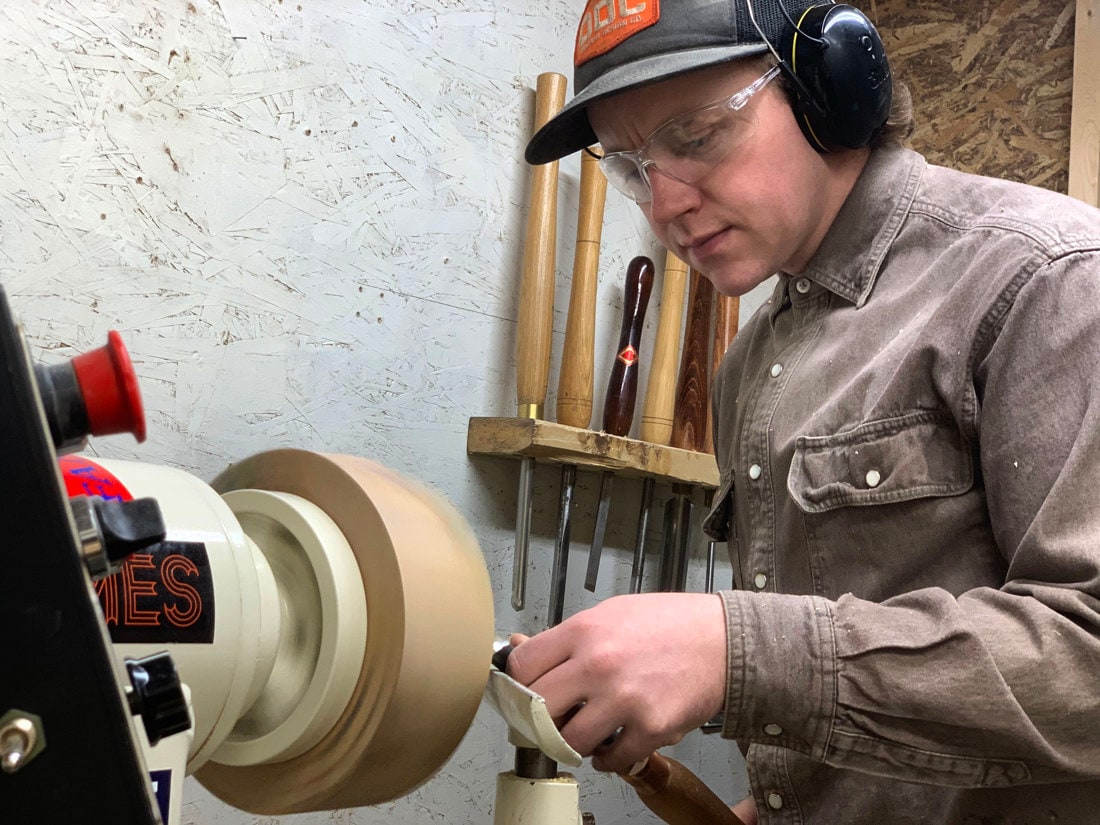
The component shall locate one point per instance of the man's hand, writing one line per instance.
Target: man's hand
(650, 667)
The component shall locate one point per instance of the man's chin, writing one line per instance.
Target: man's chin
(732, 283)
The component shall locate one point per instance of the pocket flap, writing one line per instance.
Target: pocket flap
(916, 455)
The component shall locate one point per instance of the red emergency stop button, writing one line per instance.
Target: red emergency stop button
(109, 386)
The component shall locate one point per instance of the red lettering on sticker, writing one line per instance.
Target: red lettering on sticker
(188, 595)
(134, 588)
(164, 595)
(107, 591)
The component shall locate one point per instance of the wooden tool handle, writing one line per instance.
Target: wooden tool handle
(660, 397)
(726, 311)
(677, 795)
(536, 295)
(622, 386)
(575, 379)
(692, 389)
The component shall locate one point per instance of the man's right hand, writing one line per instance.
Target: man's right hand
(630, 675)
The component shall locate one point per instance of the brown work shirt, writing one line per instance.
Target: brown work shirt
(909, 444)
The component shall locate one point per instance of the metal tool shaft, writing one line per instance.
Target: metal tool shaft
(672, 576)
(560, 569)
(607, 481)
(523, 531)
(637, 567)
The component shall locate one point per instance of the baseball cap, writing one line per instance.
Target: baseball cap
(624, 44)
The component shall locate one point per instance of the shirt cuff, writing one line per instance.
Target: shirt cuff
(781, 687)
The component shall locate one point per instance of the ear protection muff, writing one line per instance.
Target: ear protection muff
(836, 62)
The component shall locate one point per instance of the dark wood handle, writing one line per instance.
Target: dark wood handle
(726, 312)
(622, 386)
(677, 795)
(689, 422)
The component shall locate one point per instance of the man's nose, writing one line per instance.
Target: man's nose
(670, 197)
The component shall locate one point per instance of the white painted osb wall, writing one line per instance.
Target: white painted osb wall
(306, 220)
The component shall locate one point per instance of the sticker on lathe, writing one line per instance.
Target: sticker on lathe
(163, 594)
(84, 477)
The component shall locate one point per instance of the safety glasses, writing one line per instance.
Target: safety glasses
(689, 145)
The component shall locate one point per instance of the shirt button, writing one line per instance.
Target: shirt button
(775, 801)
(773, 730)
(754, 471)
(760, 580)
(776, 369)
(873, 478)
(802, 285)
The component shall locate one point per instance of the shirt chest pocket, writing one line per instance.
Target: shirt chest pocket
(888, 460)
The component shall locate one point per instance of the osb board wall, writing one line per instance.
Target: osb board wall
(991, 82)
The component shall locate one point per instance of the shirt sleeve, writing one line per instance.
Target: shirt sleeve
(995, 686)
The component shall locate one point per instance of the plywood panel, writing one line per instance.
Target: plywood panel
(991, 80)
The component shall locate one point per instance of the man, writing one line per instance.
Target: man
(908, 435)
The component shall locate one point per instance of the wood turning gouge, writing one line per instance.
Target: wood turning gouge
(622, 389)
(536, 316)
(688, 428)
(660, 397)
(574, 404)
(726, 311)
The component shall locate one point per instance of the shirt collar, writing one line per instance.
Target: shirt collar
(851, 254)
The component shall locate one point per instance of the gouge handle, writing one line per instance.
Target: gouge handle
(677, 795)
(575, 380)
(536, 296)
(726, 310)
(660, 398)
(622, 385)
(692, 388)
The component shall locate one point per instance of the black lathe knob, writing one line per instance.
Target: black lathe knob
(157, 696)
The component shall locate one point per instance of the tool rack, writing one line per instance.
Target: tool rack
(548, 441)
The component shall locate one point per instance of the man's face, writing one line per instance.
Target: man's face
(762, 209)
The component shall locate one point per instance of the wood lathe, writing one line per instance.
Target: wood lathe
(307, 632)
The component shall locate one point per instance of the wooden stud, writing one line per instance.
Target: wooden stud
(1084, 142)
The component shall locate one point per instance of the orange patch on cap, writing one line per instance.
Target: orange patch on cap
(607, 23)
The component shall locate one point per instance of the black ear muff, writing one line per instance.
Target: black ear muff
(837, 64)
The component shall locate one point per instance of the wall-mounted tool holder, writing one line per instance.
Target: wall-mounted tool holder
(547, 441)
